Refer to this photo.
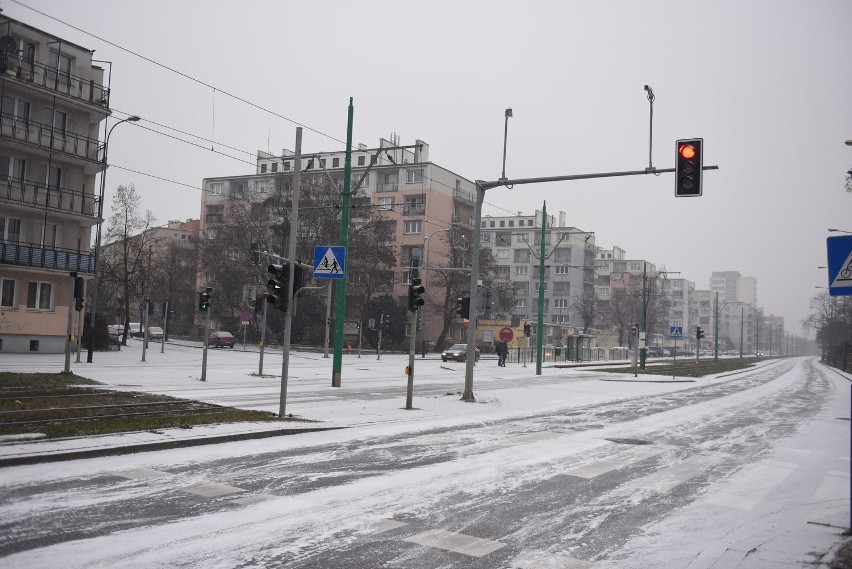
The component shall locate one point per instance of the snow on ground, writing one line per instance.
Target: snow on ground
(781, 522)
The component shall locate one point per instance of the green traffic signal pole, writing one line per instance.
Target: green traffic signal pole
(340, 301)
(540, 327)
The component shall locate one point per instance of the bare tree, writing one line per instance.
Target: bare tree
(129, 249)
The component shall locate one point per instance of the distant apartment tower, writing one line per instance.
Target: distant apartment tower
(733, 287)
(53, 101)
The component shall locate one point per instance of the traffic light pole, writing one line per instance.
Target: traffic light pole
(481, 188)
(412, 347)
(206, 343)
(340, 300)
(288, 315)
(540, 327)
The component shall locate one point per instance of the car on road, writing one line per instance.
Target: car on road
(134, 330)
(457, 352)
(221, 339)
(155, 333)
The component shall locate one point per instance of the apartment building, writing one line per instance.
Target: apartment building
(515, 243)
(53, 101)
(421, 202)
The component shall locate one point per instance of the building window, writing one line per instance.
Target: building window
(414, 175)
(520, 303)
(560, 303)
(335, 162)
(38, 295)
(522, 256)
(562, 270)
(263, 168)
(33, 345)
(362, 160)
(485, 238)
(522, 270)
(275, 166)
(504, 238)
(10, 229)
(502, 253)
(491, 224)
(18, 109)
(286, 166)
(216, 188)
(635, 266)
(7, 293)
(386, 203)
(502, 273)
(12, 167)
(538, 283)
(412, 226)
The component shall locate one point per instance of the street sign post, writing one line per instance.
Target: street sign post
(839, 265)
(676, 332)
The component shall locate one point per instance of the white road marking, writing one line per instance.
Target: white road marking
(614, 462)
(211, 490)
(457, 542)
(665, 479)
(140, 473)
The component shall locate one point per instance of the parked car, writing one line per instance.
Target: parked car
(155, 333)
(457, 352)
(135, 330)
(115, 332)
(221, 339)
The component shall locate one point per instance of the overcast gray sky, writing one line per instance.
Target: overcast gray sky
(767, 84)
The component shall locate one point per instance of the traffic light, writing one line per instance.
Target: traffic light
(699, 333)
(279, 283)
(463, 306)
(204, 299)
(78, 304)
(386, 322)
(635, 329)
(689, 164)
(78, 288)
(415, 294)
(527, 330)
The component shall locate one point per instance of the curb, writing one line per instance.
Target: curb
(146, 447)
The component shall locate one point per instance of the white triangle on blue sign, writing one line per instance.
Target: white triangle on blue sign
(329, 264)
(843, 278)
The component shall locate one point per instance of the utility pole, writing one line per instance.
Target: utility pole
(291, 301)
(643, 331)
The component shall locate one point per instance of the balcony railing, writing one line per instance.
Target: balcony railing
(418, 209)
(31, 255)
(464, 196)
(50, 79)
(49, 138)
(34, 194)
(388, 187)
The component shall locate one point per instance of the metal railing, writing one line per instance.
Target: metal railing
(31, 255)
(30, 193)
(51, 79)
(387, 187)
(50, 138)
(419, 209)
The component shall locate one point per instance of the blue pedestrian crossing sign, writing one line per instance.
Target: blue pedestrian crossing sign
(839, 265)
(675, 331)
(329, 262)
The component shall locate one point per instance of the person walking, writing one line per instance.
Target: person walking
(502, 352)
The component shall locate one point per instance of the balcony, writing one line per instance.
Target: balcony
(36, 256)
(50, 139)
(54, 82)
(387, 187)
(33, 194)
(416, 209)
(464, 196)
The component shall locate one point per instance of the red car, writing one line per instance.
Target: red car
(221, 340)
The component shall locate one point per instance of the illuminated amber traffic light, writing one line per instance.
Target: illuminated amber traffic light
(689, 166)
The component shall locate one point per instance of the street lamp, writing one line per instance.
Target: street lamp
(505, 137)
(832, 230)
(94, 304)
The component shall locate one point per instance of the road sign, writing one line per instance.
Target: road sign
(245, 316)
(506, 334)
(676, 332)
(329, 262)
(839, 265)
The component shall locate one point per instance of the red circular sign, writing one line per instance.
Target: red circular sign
(506, 334)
